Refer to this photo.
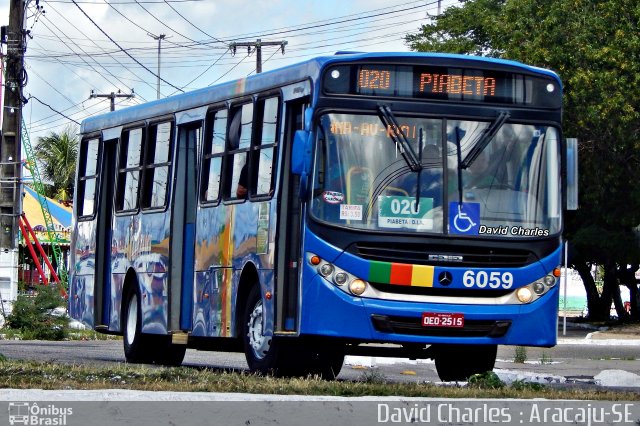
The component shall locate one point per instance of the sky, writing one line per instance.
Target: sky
(104, 46)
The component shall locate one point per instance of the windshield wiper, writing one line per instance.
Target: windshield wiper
(409, 155)
(484, 139)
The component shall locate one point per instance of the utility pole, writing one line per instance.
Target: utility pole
(257, 47)
(159, 38)
(112, 96)
(10, 145)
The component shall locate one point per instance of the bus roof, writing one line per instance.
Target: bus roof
(265, 81)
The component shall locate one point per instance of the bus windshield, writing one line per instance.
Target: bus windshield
(362, 178)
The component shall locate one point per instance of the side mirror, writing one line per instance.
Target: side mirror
(572, 174)
(301, 153)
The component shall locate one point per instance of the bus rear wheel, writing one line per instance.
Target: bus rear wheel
(459, 362)
(136, 345)
(167, 353)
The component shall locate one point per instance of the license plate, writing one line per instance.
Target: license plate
(439, 319)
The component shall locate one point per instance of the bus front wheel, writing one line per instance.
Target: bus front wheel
(261, 352)
(459, 362)
(289, 356)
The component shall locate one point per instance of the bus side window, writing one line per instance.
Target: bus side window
(129, 170)
(239, 141)
(213, 153)
(266, 145)
(156, 167)
(89, 154)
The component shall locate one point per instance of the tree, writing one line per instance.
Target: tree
(57, 155)
(593, 45)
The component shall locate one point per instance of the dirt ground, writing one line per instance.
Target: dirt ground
(625, 331)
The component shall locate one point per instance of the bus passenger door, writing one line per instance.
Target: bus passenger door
(289, 225)
(102, 286)
(183, 226)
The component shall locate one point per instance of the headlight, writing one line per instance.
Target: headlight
(533, 291)
(341, 279)
(326, 269)
(538, 288)
(524, 294)
(357, 286)
(549, 280)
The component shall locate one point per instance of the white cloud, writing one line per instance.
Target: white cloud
(69, 56)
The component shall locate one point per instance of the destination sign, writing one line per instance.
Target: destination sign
(454, 84)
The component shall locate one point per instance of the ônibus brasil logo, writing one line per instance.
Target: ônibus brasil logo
(31, 414)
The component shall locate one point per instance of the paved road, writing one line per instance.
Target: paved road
(574, 360)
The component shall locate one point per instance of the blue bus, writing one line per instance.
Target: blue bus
(387, 204)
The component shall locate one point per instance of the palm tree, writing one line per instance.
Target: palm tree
(56, 155)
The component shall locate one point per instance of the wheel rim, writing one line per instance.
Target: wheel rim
(259, 343)
(132, 319)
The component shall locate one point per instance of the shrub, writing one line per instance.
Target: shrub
(487, 380)
(32, 315)
(521, 355)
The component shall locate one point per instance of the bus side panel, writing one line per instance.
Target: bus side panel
(228, 238)
(250, 247)
(210, 302)
(213, 274)
(121, 263)
(151, 262)
(141, 243)
(119, 266)
(81, 305)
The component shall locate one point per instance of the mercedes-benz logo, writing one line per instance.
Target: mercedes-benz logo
(445, 278)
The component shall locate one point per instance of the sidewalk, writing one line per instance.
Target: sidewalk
(586, 333)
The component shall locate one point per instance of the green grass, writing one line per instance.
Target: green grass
(545, 359)
(11, 334)
(29, 374)
(520, 355)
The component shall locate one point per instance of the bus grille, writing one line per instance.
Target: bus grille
(438, 291)
(413, 326)
(441, 255)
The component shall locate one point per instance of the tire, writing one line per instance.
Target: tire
(167, 353)
(459, 362)
(261, 352)
(327, 362)
(137, 346)
(288, 357)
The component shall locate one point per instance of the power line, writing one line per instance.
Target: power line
(202, 73)
(163, 23)
(231, 69)
(191, 23)
(340, 24)
(112, 96)
(126, 2)
(80, 56)
(334, 22)
(50, 85)
(74, 26)
(53, 109)
(281, 30)
(257, 48)
(120, 47)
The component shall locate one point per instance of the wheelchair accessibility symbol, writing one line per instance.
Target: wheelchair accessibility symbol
(464, 218)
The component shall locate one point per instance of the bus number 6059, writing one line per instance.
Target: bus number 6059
(482, 279)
